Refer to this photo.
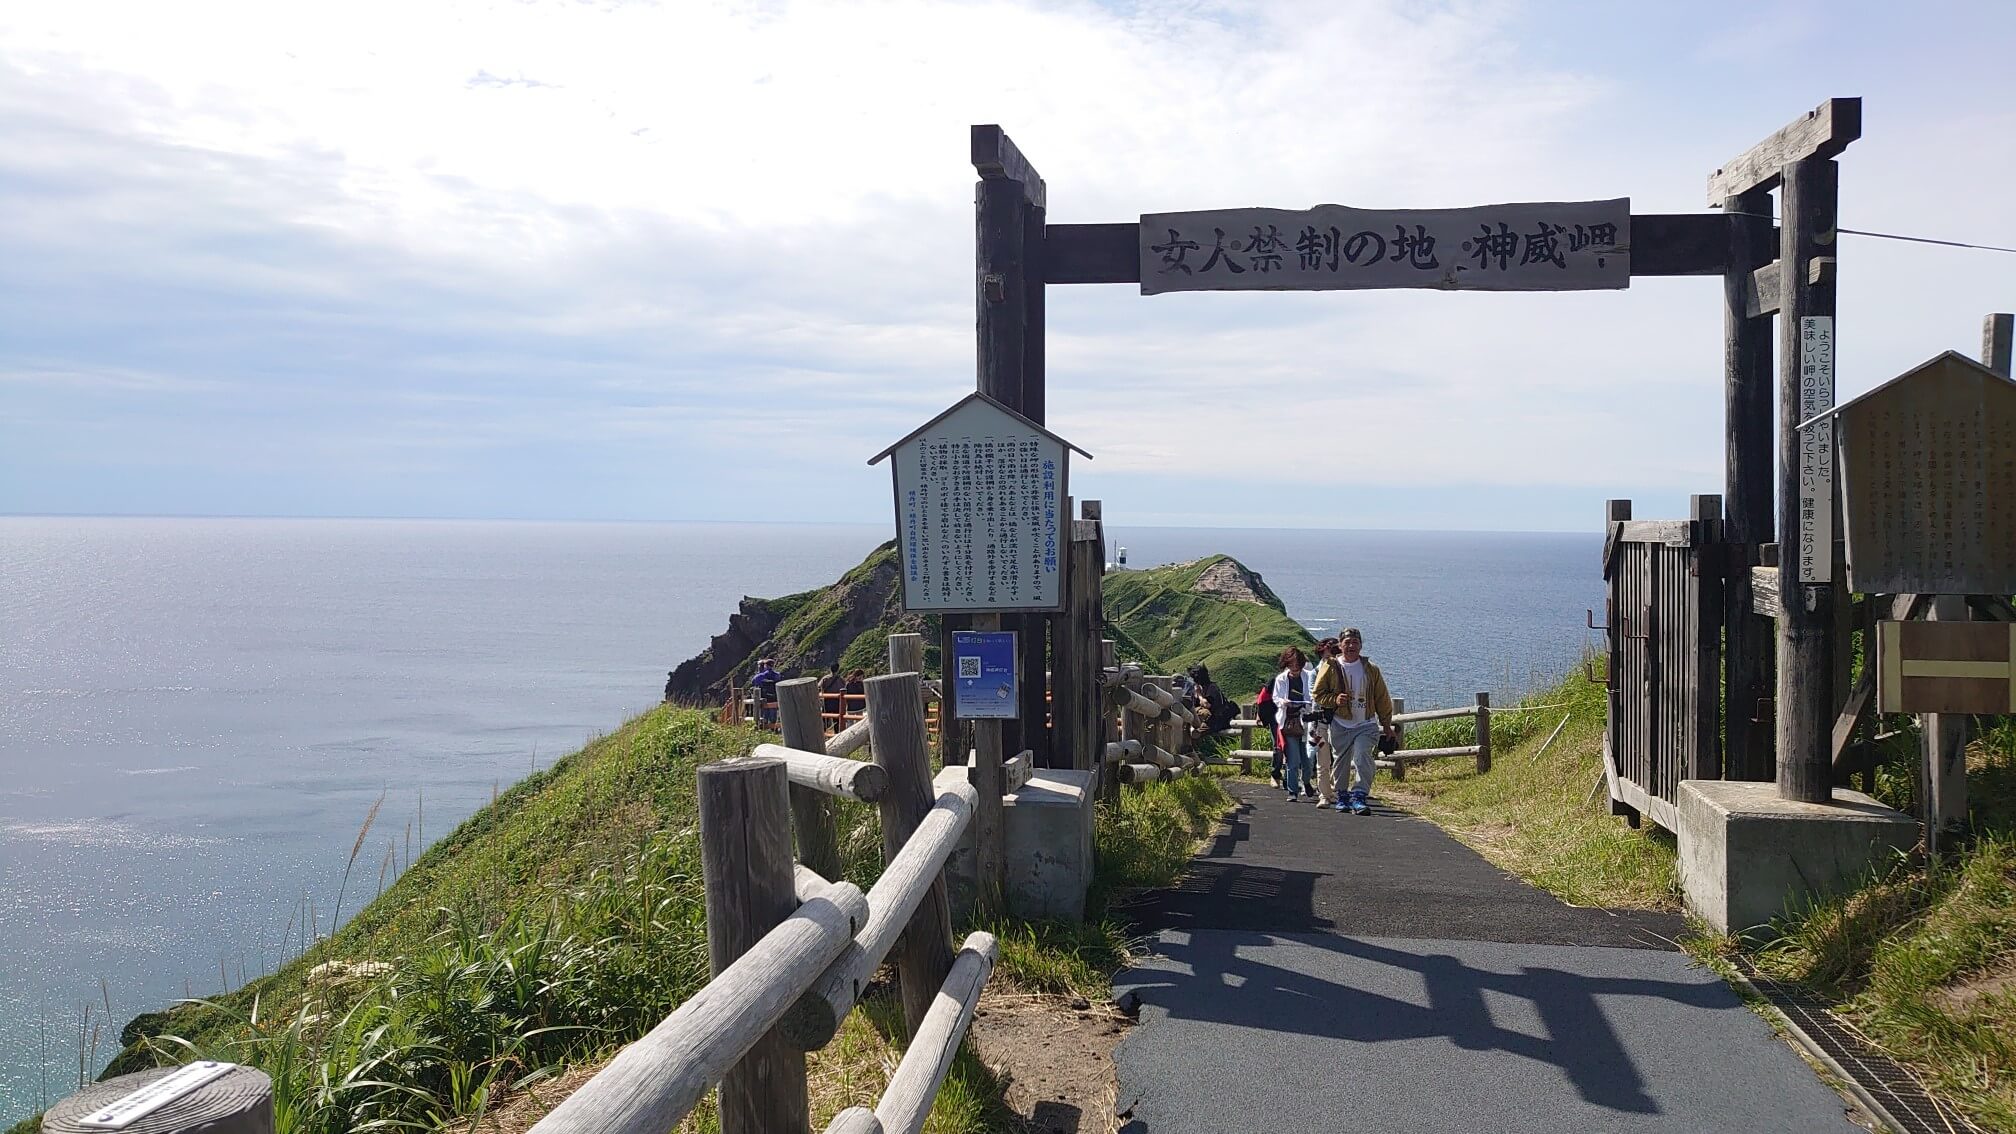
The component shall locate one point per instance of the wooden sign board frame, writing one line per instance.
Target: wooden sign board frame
(1929, 481)
(1005, 491)
(1946, 667)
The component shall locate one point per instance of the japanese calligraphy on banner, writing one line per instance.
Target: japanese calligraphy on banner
(980, 515)
(1816, 449)
(1558, 246)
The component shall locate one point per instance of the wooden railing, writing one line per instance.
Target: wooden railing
(793, 951)
(1148, 728)
(1246, 755)
(837, 710)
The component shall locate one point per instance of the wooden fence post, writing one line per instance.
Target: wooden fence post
(1483, 733)
(240, 1101)
(1806, 262)
(745, 860)
(1998, 342)
(989, 825)
(798, 705)
(951, 735)
(1400, 742)
(1069, 665)
(1747, 384)
(906, 653)
(1109, 720)
(896, 734)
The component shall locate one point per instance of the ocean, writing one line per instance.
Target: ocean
(197, 714)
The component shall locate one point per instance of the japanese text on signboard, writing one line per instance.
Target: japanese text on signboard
(1519, 247)
(980, 504)
(1816, 449)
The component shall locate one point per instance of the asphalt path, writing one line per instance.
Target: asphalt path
(1318, 971)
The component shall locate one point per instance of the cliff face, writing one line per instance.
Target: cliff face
(1214, 610)
(848, 622)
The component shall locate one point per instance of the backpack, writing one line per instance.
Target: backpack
(1264, 709)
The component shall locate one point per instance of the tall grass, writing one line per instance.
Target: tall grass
(1533, 813)
(569, 919)
(1923, 958)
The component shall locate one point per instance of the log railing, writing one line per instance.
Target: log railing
(1149, 733)
(793, 951)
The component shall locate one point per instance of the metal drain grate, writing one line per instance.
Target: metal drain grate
(1901, 1102)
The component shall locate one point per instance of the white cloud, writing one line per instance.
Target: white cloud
(663, 223)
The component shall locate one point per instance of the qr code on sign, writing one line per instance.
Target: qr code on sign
(969, 667)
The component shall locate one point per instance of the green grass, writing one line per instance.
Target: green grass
(1532, 814)
(1922, 959)
(1142, 840)
(1171, 627)
(568, 918)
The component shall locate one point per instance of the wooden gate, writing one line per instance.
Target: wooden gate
(1663, 597)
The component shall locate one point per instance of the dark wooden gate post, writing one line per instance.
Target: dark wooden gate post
(1806, 263)
(1009, 205)
(1748, 647)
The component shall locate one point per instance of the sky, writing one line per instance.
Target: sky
(683, 261)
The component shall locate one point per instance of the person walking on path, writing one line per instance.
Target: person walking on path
(1320, 748)
(1361, 710)
(1291, 699)
(830, 705)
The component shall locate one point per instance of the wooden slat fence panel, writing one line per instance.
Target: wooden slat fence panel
(1664, 596)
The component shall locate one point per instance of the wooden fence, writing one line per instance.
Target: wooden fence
(1148, 730)
(1663, 583)
(836, 710)
(1246, 755)
(793, 951)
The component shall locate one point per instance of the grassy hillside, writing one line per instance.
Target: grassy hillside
(565, 920)
(1923, 960)
(1533, 813)
(1173, 618)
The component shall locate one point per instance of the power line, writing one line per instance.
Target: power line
(1891, 235)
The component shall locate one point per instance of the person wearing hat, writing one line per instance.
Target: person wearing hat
(764, 683)
(1354, 691)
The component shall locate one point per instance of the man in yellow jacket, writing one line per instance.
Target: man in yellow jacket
(1354, 692)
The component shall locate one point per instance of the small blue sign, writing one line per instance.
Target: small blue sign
(984, 675)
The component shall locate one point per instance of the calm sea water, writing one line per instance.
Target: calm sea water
(196, 715)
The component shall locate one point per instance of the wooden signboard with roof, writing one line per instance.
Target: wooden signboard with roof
(1929, 461)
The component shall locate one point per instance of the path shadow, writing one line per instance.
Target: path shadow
(1216, 984)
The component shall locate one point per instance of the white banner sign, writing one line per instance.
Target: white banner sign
(1544, 246)
(980, 513)
(1816, 449)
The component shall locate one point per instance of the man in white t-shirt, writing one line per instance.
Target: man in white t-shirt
(1354, 691)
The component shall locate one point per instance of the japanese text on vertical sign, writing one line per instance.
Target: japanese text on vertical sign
(1816, 449)
(1557, 246)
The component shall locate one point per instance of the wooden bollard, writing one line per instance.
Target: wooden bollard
(896, 725)
(1399, 741)
(1483, 733)
(239, 1101)
(811, 809)
(745, 861)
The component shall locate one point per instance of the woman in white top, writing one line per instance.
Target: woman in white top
(1292, 696)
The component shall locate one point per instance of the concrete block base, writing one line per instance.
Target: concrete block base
(1048, 844)
(1747, 856)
